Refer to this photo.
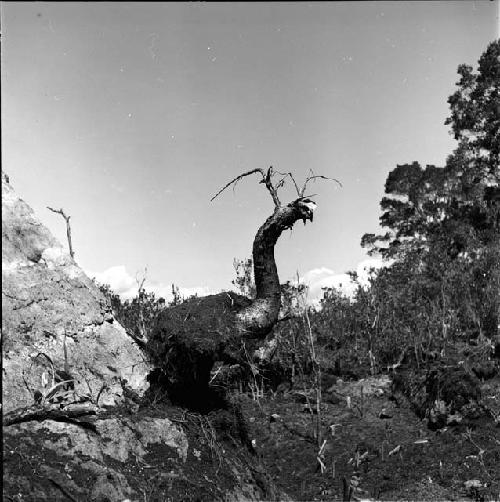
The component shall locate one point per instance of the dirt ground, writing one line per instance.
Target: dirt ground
(378, 447)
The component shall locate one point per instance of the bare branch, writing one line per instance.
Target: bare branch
(140, 281)
(59, 211)
(235, 180)
(41, 413)
(68, 228)
(270, 187)
(266, 179)
(295, 183)
(282, 181)
(313, 177)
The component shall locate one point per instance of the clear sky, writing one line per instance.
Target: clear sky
(131, 116)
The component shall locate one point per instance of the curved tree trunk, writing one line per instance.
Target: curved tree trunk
(257, 319)
(189, 338)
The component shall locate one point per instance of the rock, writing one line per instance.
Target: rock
(108, 317)
(369, 386)
(384, 415)
(130, 457)
(473, 483)
(454, 419)
(474, 489)
(53, 320)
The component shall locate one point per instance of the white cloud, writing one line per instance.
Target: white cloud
(319, 278)
(125, 285)
(165, 291)
(363, 268)
(120, 281)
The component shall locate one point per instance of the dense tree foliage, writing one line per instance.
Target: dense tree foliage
(443, 223)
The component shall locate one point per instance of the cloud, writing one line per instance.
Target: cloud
(125, 285)
(364, 267)
(319, 278)
(165, 290)
(120, 281)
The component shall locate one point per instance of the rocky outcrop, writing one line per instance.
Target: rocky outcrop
(56, 326)
(133, 456)
(77, 422)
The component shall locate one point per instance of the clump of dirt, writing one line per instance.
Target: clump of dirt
(187, 340)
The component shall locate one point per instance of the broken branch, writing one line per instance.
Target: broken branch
(68, 228)
(266, 179)
(235, 180)
(313, 177)
(40, 414)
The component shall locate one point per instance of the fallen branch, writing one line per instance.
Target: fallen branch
(40, 414)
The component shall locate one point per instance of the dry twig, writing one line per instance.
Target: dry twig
(68, 228)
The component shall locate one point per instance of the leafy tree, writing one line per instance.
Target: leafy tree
(442, 224)
(412, 208)
(475, 111)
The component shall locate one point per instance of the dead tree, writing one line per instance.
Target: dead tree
(68, 228)
(188, 339)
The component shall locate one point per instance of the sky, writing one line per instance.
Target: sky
(131, 116)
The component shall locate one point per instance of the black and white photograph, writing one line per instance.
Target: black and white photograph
(250, 251)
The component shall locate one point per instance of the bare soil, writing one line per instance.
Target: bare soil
(396, 458)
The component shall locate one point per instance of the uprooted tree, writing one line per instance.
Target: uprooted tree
(186, 340)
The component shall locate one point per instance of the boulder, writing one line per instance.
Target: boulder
(56, 325)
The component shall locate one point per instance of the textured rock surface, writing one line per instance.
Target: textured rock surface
(55, 322)
(140, 456)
